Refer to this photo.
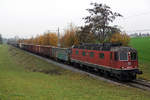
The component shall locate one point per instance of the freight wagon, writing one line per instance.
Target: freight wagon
(63, 54)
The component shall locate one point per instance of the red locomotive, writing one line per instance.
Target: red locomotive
(108, 59)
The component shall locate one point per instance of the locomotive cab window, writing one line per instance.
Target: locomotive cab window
(101, 55)
(133, 56)
(124, 56)
(91, 54)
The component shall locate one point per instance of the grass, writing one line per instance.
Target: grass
(143, 47)
(25, 77)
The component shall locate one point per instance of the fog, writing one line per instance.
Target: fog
(26, 18)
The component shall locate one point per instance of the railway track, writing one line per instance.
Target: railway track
(140, 84)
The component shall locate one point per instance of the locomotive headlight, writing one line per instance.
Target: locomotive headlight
(122, 67)
(129, 53)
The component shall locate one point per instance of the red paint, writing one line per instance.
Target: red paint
(106, 62)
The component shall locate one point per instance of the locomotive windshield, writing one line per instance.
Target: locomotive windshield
(133, 56)
(123, 56)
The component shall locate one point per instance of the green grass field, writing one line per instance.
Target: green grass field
(143, 47)
(25, 77)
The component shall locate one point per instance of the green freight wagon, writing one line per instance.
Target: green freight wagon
(62, 54)
(53, 52)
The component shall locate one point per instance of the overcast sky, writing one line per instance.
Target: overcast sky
(26, 18)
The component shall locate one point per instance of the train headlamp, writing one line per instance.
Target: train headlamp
(122, 67)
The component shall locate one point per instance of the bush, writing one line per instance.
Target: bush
(122, 38)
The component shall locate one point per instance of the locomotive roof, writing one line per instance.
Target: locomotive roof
(123, 49)
(105, 47)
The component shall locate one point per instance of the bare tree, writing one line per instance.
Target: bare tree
(100, 18)
(85, 35)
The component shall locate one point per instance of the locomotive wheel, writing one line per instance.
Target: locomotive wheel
(119, 77)
(107, 74)
(122, 77)
(76, 65)
(100, 72)
(133, 77)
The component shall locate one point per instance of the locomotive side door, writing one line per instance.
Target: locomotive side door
(112, 61)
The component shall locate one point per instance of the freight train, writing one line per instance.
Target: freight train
(109, 59)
